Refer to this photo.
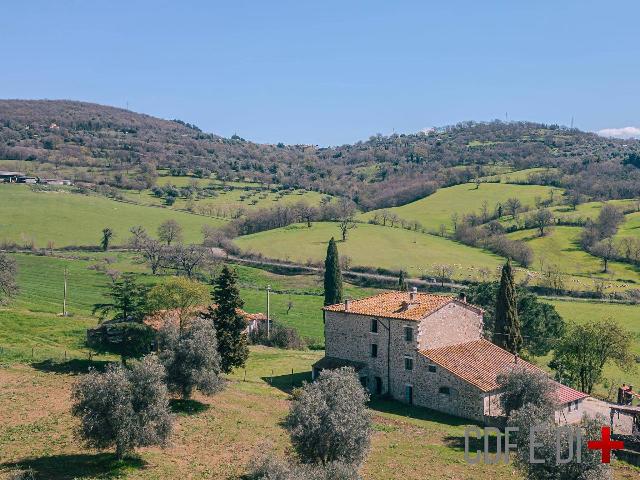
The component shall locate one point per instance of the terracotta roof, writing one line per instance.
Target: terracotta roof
(403, 305)
(480, 362)
(158, 319)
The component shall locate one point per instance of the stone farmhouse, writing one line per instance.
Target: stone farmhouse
(426, 350)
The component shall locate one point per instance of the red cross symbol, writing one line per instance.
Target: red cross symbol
(605, 444)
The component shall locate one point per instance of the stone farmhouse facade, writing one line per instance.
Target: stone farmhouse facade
(426, 350)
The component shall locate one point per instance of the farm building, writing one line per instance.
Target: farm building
(10, 177)
(158, 319)
(426, 350)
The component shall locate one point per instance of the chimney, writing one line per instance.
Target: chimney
(413, 293)
(516, 358)
(347, 304)
(462, 297)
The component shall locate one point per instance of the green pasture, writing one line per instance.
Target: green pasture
(73, 219)
(436, 209)
(372, 245)
(560, 249)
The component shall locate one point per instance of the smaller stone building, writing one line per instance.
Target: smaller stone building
(426, 350)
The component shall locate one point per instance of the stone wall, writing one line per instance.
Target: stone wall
(453, 323)
(349, 336)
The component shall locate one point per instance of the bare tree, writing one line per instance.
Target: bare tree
(170, 232)
(8, 272)
(513, 206)
(346, 214)
(155, 254)
(443, 273)
(188, 258)
(542, 219)
(607, 251)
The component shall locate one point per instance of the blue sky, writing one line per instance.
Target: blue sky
(330, 72)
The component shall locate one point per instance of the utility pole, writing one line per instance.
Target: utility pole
(268, 311)
(64, 300)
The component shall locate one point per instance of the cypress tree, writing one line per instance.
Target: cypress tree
(332, 275)
(507, 325)
(230, 325)
(402, 282)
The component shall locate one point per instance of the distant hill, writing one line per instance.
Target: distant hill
(116, 146)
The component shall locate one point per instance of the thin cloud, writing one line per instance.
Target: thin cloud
(624, 132)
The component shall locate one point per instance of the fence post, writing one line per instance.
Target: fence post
(245, 375)
(292, 377)
(32, 352)
(65, 355)
(271, 382)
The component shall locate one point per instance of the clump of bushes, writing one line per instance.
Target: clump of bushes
(278, 336)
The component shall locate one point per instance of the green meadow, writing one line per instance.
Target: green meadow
(436, 209)
(560, 248)
(73, 219)
(372, 245)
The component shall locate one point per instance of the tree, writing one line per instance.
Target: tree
(187, 258)
(128, 301)
(105, 241)
(230, 325)
(170, 232)
(154, 254)
(606, 250)
(581, 355)
(540, 323)
(542, 219)
(332, 275)
(8, 272)
(346, 213)
(609, 219)
(179, 293)
(138, 237)
(329, 421)
(521, 387)
(402, 281)
(552, 443)
(443, 273)
(507, 325)
(513, 205)
(124, 334)
(190, 357)
(124, 407)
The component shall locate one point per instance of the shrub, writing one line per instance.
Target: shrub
(279, 337)
(271, 468)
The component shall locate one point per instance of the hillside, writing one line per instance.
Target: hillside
(70, 219)
(97, 143)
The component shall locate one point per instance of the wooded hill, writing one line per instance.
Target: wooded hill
(122, 148)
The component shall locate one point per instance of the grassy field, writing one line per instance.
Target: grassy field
(73, 219)
(220, 435)
(372, 245)
(560, 248)
(590, 209)
(628, 316)
(31, 320)
(227, 203)
(436, 209)
(517, 175)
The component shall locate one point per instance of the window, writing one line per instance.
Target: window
(408, 363)
(444, 391)
(374, 350)
(408, 334)
(363, 381)
(374, 325)
(432, 369)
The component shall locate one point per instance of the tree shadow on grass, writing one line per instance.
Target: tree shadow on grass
(288, 382)
(70, 367)
(79, 466)
(394, 407)
(457, 442)
(188, 406)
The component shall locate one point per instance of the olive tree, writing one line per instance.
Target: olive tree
(124, 407)
(520, 387)
(329, 420)
(190, 356)
(552, 444)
